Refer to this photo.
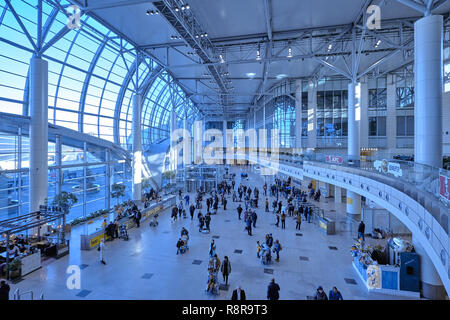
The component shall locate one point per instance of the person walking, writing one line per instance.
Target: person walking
(225, 201)
(278, 219)
(248, 223)
(299, 221)
(273, 290)
(320, 294)
(267, 205)
(283, 220)
(225, 268)
(180, 244)
(238, 293)
(137, 218)
(212, 249)
(361, 230)
(4, 291)
(277, 248)
(254, 217)
(101, 248)
(335, 294)
(191, 211)
(239, 211)
(258, 249)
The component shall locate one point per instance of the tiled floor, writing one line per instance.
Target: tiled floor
(147, 267)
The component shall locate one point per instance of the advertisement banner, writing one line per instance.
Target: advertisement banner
(444, 185)
(384, 166)
(334, 159)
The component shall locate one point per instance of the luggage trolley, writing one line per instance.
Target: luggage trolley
(123, 232)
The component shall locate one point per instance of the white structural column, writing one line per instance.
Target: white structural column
(354, 116)
(298, 114)
(428, 86)
(38, 132)
(312, 114)
(337, 194)
(364, 104)
(173, 127)
(431, 284)
(137, 147)
(264, 117)
(391, 114)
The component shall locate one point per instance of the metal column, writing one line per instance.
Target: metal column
(137, 148)
(38, 132)
(428, 85)
(353, 199)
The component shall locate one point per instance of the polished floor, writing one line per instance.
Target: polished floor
(147, 267)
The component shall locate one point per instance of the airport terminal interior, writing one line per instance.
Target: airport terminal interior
(216, 150)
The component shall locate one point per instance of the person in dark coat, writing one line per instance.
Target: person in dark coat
(191, 211)
(335, 294)
(239, 211)
(225, 268)
(4, 291)
(238, 294)
(361, 230)
(272, 290)
(320, 294)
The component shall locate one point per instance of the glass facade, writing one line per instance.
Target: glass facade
(332, 105)
(93, 75)
(284, 120)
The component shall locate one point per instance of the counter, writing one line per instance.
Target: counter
(93, 239)
(31, 262)
(382, 278)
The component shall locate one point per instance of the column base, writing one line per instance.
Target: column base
(433, 292)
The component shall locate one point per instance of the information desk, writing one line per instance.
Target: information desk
(93, 239)
(382, 278)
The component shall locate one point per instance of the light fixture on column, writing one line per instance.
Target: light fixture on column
(258, 53)
(290, 53)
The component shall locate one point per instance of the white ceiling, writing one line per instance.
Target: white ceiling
(244, 18)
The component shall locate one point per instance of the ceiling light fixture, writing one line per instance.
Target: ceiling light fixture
(151, 12)
(222, 60)
(377, 44)
(330, 46)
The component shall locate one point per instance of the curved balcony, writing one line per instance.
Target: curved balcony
(412, 195)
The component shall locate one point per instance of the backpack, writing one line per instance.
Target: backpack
(279, 247)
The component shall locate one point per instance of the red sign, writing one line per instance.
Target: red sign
(334, 159)
(444, 183)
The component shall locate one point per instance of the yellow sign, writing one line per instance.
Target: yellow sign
(322, 225)
(96, 240)
(349, 200)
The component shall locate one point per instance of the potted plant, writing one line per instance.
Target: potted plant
(117, 191)
(14, 268)
(65, 200)
(169, 175)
